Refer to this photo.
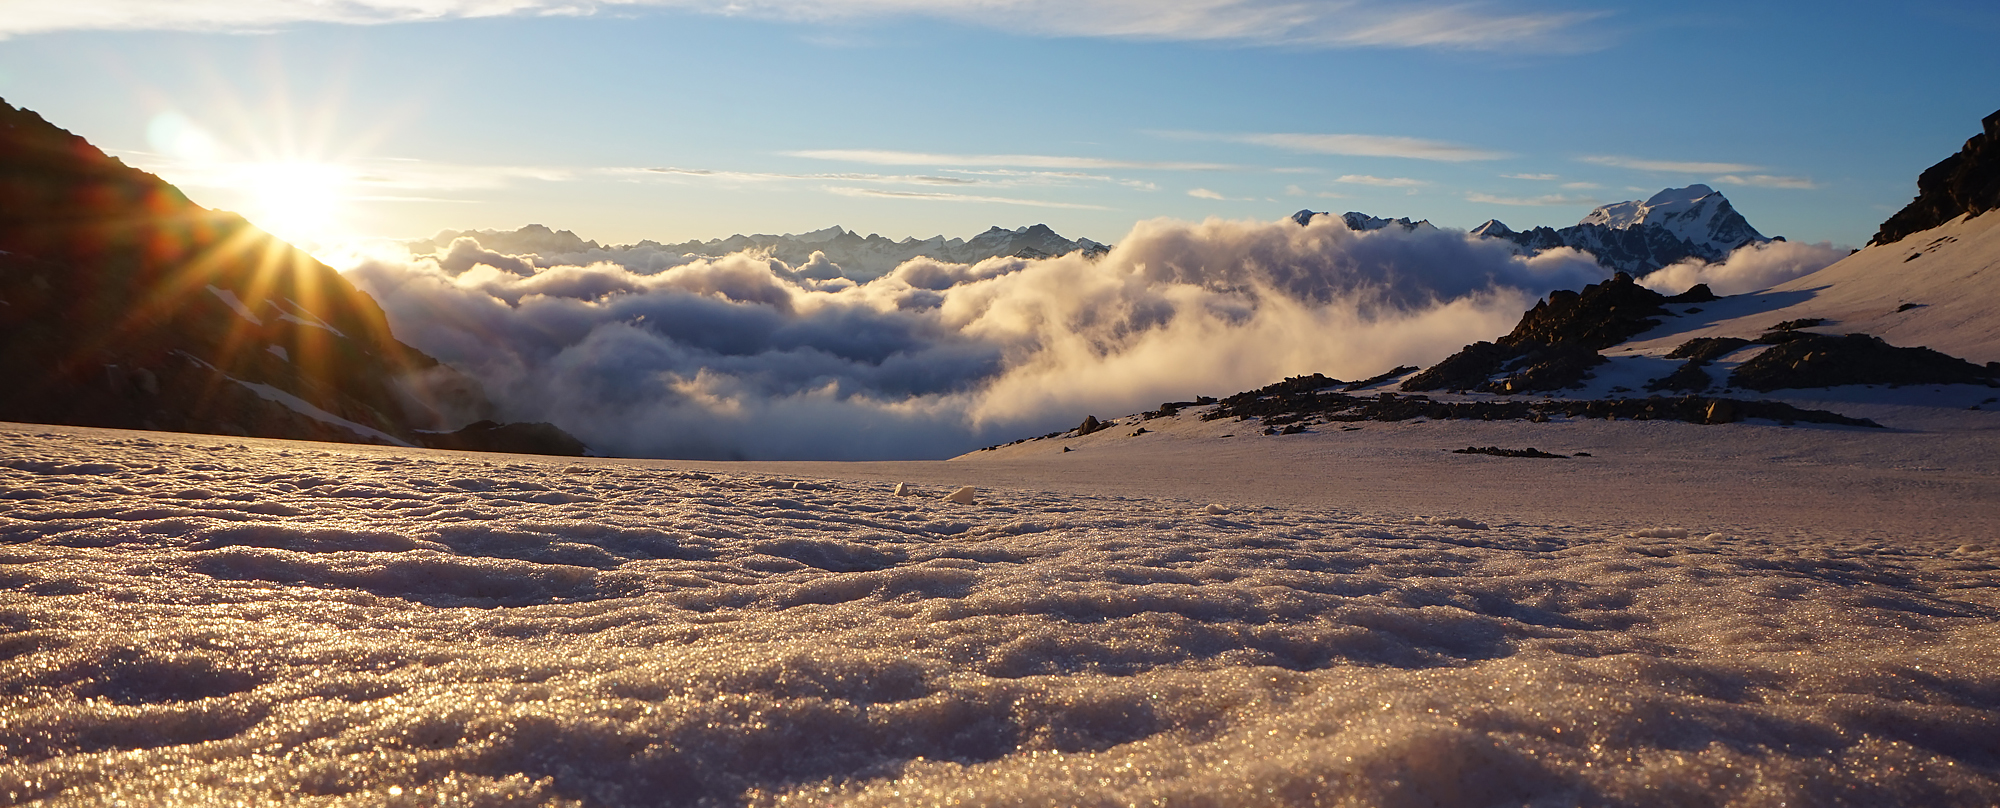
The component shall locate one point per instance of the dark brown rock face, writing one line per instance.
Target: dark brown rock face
(1966, 182)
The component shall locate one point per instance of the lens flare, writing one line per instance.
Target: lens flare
(295, 201)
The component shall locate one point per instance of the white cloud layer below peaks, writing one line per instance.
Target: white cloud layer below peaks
(643, 351)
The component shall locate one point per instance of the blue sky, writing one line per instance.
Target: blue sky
(677, 119)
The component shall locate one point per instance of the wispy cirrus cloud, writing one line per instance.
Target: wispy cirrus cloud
(1726, 173)
(903, 158)
(1016, 177)
(1536, 177)
(1351, 145)
(1476, 26)
(763, 176)
(1547, 200)
(1667, 166)
(1381, 182)
(1769, 181)
(930, 196)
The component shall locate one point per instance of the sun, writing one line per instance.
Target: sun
(295, 201)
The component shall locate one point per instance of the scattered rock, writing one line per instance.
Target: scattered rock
(1215, 510)
(1794, 325)
(1398, 372)
(1499, 452)
(1688, 378)
(1707, 349)
(1698, 293)
(963, 496)
(1140, 431)
(1090, 424)
(904, 489)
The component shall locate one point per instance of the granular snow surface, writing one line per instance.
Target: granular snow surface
(188, 620)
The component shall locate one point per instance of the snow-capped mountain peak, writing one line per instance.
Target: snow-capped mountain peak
(1657, 208)
(1642, 236)
(819, 236)
(1697, 214)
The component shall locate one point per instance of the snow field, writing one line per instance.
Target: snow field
(194, 621)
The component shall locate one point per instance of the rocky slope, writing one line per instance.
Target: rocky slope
(125, 304)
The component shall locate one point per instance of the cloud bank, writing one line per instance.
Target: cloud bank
(743, 356)
(1447, 26)
(1749, 268)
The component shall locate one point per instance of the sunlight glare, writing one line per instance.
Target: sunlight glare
(295, 201)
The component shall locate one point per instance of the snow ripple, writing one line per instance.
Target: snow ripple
(197, 621)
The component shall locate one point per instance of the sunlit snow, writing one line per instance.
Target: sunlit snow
(190, 620)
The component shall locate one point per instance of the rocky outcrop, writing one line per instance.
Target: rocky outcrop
(1496, 451)
(1966, 183)
(1818, 360)
(1556, 343)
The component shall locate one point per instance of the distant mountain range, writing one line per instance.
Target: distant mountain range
(858, 257)
(1636, 237)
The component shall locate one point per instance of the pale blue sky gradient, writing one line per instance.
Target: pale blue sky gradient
(1814, 117)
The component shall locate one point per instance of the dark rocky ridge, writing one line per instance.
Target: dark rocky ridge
(1303, 400)
(1557, 342)
(119, 307)
(1804, 360)
(1965, 183)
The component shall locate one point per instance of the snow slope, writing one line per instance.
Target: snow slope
(194, 621)
(1948, 277)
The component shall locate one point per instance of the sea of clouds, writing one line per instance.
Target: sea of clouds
(643, 353)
